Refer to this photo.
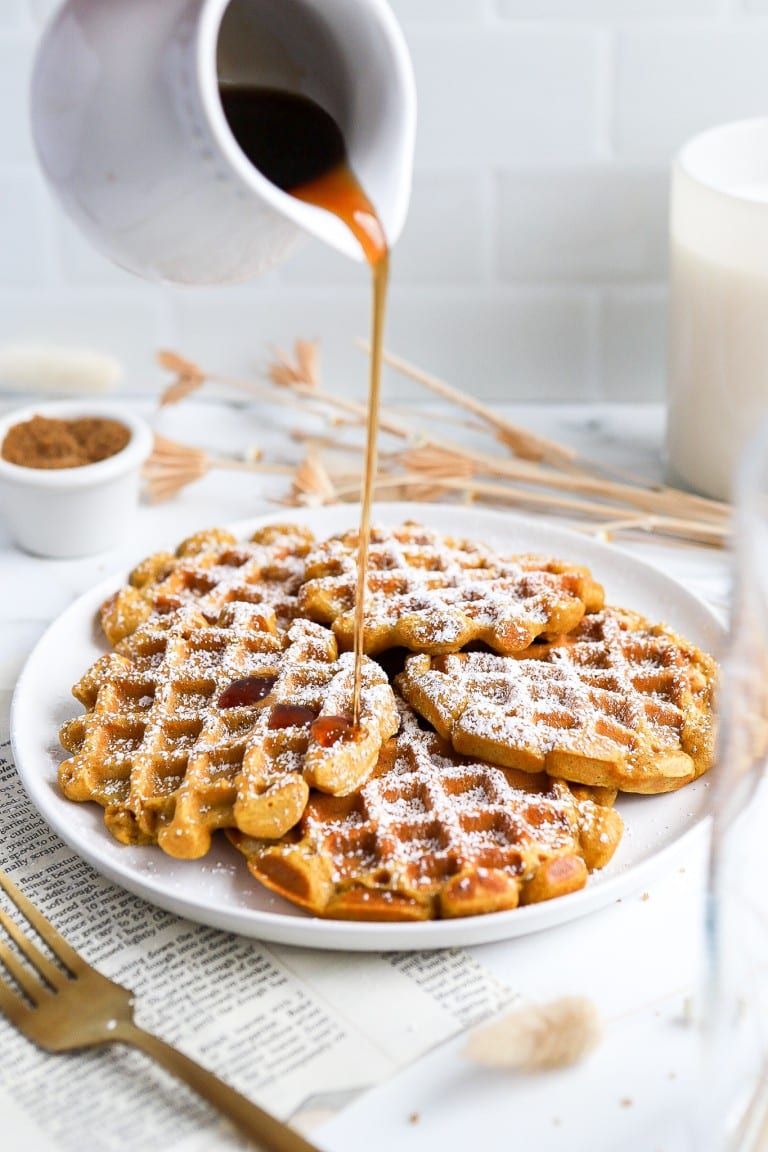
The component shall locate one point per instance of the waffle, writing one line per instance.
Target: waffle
(618, 703)
(435, 594)
(209, 570)
(192, 726)
(434, 835)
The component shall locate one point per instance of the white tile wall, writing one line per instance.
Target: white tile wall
(12, 14)
(494, 97)
(41, 10)
(633, 324)
(507, 344)
(22, 252)
(674, 82)
(408, 11)
(588, 224)
(613, 11)
(15, 61)
(534, 260)
(129, 327)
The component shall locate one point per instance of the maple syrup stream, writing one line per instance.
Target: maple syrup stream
(299, 147)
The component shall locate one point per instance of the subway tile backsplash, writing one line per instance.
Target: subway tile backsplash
(613, 11)
(12, 14)
(494, 97)
(672, 82)
(588, 224)
(534, 261)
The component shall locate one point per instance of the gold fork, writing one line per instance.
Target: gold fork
(80, 1008)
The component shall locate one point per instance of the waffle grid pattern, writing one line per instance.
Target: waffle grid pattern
(210, 570)
(619, 703)
(434, 835)
(170, 765)
(434, 594)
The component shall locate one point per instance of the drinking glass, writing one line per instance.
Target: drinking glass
(718, 339)
(733, 1108)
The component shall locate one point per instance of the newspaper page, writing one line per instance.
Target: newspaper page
(301, 1032)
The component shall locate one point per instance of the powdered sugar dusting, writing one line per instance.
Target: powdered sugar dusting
(156, 742)
(433, 815)
(616, 699)
(434, 593)
(211, 570)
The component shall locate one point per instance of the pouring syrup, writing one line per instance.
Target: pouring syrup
(300, 148)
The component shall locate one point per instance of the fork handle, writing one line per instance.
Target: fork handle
(252, 1121)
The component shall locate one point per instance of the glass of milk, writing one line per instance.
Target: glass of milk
(718, 348)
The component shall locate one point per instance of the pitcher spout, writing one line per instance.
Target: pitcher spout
(131, 131)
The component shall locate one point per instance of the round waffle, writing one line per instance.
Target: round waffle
(192, 726)
(432, 834)
(208, 571)
(619, 703)
(435, 594)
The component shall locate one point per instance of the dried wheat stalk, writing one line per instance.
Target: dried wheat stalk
(524, 443)
(531, 447)
(172, 466)
(660, 501)
(410, 485)
(542, 474)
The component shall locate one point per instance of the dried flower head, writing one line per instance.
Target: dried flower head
(312, 486)
(171, 467)
(528, 446)
(543, 475)
(189, 377)
(437, 463)
(304, 370)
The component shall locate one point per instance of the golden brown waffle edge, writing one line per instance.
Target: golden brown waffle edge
(193, 726)
(430, 594)
(209, 570)
(435, 835)
(617, 703)
(436, 594)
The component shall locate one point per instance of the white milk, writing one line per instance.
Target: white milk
(718, 367)
(718, 344)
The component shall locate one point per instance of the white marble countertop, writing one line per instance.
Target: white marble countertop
(636, 959)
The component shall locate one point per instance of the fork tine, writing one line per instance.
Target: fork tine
(46, 930)
(47, 969)
(33, 987)
(11, 1004)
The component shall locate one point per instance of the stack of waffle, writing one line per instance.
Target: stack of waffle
(504, 709)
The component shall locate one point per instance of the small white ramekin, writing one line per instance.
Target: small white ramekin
(68, 512)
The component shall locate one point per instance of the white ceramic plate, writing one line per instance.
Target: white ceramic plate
(219, 890)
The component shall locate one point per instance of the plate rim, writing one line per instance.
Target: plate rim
(305, 930)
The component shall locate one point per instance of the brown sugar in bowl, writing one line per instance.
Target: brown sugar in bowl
(71, 509)
(51, 442)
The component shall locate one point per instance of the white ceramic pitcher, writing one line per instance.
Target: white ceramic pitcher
(131, 134)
